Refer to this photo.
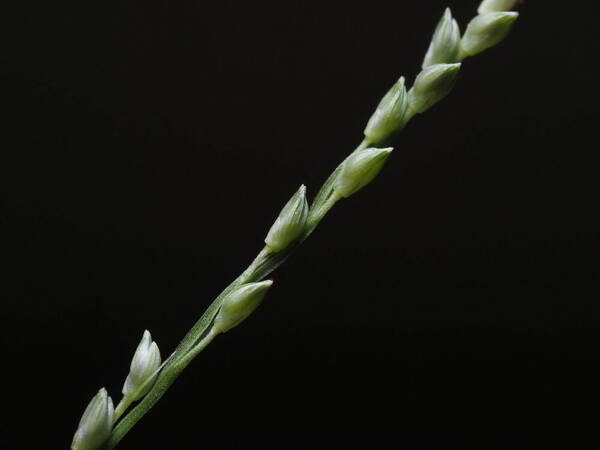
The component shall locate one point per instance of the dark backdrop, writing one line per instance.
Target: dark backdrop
(147, 149)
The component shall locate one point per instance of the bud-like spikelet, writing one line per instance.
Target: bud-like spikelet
(290, 223)
(432, 85)
(445, 42)
(143, 369)
(95, 424)
(359, 169)
(389, 116)
(239, 304)
(488, 6)
(485, 31)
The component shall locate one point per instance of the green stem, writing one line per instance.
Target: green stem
(316, 216)
(164, 381)
(121, 408)
(187, 358)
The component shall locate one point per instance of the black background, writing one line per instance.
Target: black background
(148, 148)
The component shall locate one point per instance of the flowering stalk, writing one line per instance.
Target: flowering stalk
(147, 382)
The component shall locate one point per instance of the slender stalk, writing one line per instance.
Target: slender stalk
(121, 408)
(323, 209)
(185, 360)
(165, 380)
(393, 113)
